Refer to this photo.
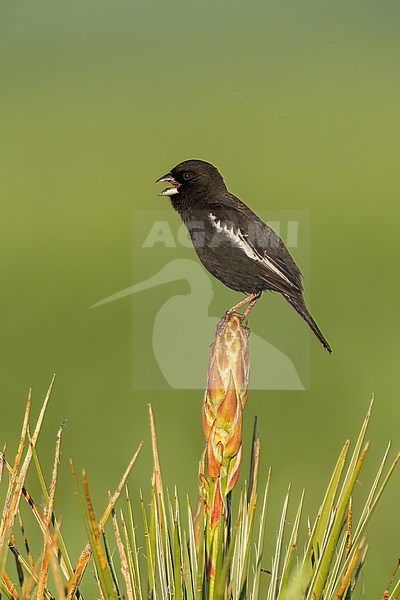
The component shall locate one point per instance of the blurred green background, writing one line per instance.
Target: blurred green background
(298, 105)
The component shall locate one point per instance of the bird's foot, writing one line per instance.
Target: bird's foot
(228, 315)
(222, 323)
(230, 312)
(234, 313)
(250, 300)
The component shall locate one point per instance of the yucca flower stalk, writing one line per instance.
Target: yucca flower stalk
(224, 400)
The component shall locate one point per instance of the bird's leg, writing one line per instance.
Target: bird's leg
(251, 299)
(251, 304)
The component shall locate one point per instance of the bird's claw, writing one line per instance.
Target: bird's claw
(228, 315)
(239, 315)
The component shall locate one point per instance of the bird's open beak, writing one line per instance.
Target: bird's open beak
(172, 190)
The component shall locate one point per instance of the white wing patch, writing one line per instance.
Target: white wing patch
(237, 237)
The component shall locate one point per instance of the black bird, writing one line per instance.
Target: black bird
(232, 242)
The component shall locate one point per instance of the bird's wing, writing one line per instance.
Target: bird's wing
(260, 243)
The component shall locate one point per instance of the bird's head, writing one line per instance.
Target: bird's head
(191, 177)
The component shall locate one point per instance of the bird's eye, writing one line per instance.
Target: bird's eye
(187, 176)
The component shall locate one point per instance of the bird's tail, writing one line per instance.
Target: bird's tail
(300, 306)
